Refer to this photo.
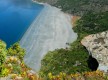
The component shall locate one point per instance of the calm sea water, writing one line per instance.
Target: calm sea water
(15, 18)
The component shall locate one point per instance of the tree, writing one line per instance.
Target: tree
(92, 23)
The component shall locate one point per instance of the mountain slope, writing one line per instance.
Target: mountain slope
(79, 7)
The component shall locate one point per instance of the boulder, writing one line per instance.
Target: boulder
(97, 44)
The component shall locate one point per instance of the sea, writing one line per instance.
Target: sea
(15, 18)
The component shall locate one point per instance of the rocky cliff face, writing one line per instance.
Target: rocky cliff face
(98, 45)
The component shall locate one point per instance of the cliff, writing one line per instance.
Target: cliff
(98, 45)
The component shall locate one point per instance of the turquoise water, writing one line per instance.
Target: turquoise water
(15, 18)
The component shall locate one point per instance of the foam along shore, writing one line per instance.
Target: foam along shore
(51, 30)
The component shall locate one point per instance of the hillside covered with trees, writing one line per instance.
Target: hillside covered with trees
(79, 7)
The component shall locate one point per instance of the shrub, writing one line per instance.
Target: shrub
(96, 75)
(3, 53)
(16, 50)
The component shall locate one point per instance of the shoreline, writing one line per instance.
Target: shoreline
(72, 17)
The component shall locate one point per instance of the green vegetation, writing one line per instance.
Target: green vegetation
(95, 75)
(16, 50)
(79, 7)
(92, 23)
(9, 58)
(3, 53)
(64, 60)
(11, 63)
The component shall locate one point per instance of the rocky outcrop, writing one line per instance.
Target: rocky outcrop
(98, 45)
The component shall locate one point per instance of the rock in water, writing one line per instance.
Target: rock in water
(51, 30)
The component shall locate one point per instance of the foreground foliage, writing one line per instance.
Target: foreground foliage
(16, 50)
(96, 75)
(3, 53)
(12, 64)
